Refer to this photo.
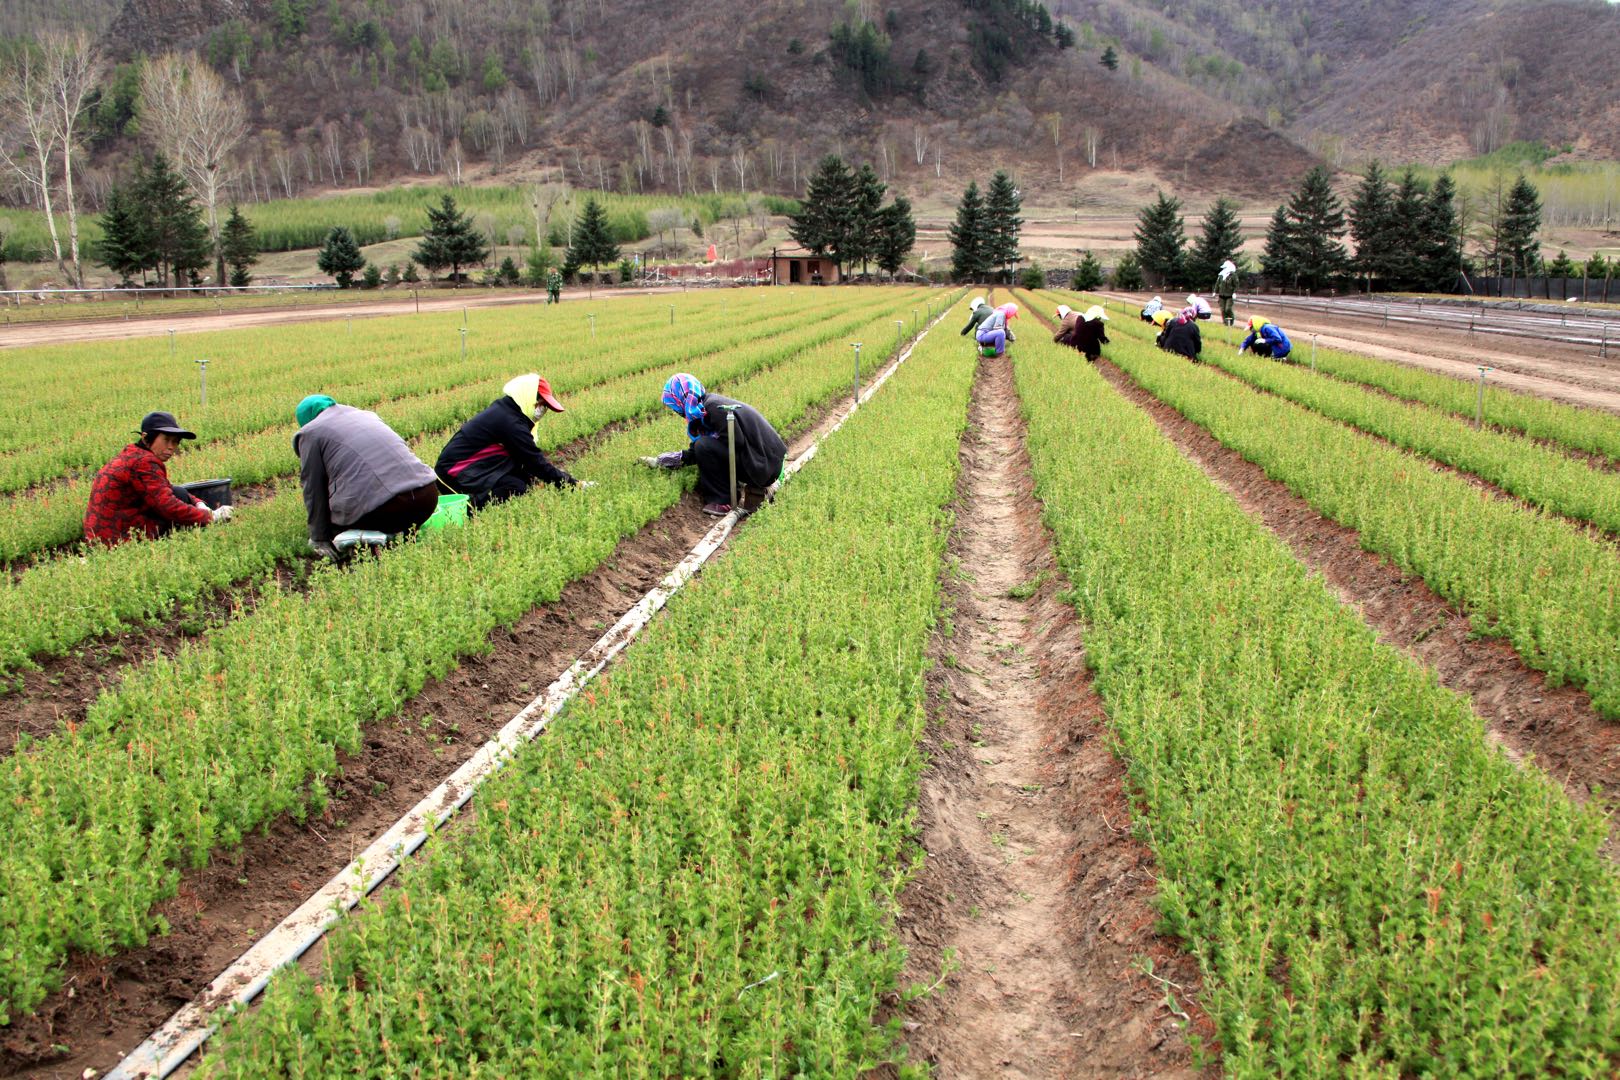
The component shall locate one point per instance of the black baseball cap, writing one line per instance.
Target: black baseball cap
(164, 423)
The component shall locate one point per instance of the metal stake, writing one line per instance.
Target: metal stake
(1479, 402)
(672, 314)
(416, 296)
(592, 317)
(1313, 352)
(463, 316)
(202, 370)
(348, 321)
(463, 342)
(1605, 351)
(899, 333)
(857, 346)
(731, 453)
(171, 342)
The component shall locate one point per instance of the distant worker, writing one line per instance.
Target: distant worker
(554, 286)
(978, 311)
(494, 456)
(357, 474)
(760, 451)
(1226, 291)
(131, 494)
(995, 332)
(1084, 332)
(1181, 336)
(1266, 338)
(1152, 308)
(1199, 307)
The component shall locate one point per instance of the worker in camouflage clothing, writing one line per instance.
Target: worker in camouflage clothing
(554, 287)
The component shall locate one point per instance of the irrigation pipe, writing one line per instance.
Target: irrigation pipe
(170, 1045)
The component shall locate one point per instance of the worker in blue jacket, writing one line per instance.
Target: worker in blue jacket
(1266, 338)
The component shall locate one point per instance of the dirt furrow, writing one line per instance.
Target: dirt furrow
(1557, 726)
(1034, 901)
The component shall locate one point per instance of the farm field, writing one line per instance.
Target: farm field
(1140, 717)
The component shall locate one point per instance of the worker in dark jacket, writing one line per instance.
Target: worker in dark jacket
(1226, 290)
(1084, 332)
(1182, 337)
(978, 311)
(760, 451)
(494, 456)
(131, 494)
(357, 474)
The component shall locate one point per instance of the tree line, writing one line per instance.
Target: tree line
(984, 236)
(842, 216)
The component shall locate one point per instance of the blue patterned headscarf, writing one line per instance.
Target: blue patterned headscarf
(684, 396)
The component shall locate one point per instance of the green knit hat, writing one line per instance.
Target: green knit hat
(313, 406)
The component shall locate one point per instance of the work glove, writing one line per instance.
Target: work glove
(670, 460)
(583, 484)
(325, 549)
(222, 513)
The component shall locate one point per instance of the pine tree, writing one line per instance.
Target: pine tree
(1221, 239)
(896, 236)
(1279, 262)
(1562, 267)
(1089, 274)
(593, 242)
(1160, 240)
(1372, 225)
(449, 241)
(1407, 208)
(1597, 266)
(866, 220)
(1316, 222)
(340, 256)
(239, 247)
(1439, 247)
(124, 248)
(1110, 58)
(1517, 244)
(968, 259)
(175, 233)
(1002, 224)
(1128, 272)
(826, 216)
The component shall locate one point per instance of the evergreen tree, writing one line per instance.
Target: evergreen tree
(1002, 224)
(1221, 239)
(1316, 224)
(1407, 210)
(826, 218)
(1372, 225)
(373, 276)
(176, 237)
(1278, 262)
(1110, 58)
(1089, 274)
(449, 240)
(1128, 272)
(1597, 266)
(593, 241)
(1562, 267)
(1517, 244)
(124, 248)
(1160, 239)
(239, 247)
(340, 256)
(969, 261)
(866, 221)
(896, 236)
(1438, 243)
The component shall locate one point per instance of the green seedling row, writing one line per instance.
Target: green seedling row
(1516, 463)
(1538, 581)
(1371, 890)
(694, 872)
(61, 602)
(424, 402)
(188, 754)
(1588, 430)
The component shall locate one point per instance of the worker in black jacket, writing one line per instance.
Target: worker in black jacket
(494, 457)
(1181, 337)
(760, 450)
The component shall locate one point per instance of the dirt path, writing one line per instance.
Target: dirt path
(63, 333)
(1031, 888)
(1555, 725)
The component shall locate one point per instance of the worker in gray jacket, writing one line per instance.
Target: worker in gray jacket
(357, 474)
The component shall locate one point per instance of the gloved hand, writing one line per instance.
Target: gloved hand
(583, 484)
(671, 460)
(222, 513)
(325, 549)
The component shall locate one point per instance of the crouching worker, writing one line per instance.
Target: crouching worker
(1084, 332)
(996, 329)
(494, 456)
(1266, 338)
(978, 311)
(760, 450)
(131, 494)
(1181, 336)
(1152, 308)
(357, 474)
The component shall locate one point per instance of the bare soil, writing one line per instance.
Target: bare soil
(1033, 900)
(1556, 727)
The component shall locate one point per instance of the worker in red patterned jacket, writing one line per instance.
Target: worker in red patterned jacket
(132, 496)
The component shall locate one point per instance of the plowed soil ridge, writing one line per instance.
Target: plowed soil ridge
(1556, 727)
(1033, 898)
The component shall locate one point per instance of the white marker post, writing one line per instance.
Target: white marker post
(857, 346)
(592, 317)
(1479, 402)
(202, 371)
(463, 331)
(171, 341)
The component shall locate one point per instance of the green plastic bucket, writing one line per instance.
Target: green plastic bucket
(988, 351)
(452, 510)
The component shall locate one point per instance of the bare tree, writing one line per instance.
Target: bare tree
(1093, 137)
(542, 198)
(73, 67)
(29, 145)
(919, 143)
(739, 164)
(1054, 125)
(198, 121)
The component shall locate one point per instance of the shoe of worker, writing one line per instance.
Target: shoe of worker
(717, 509)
